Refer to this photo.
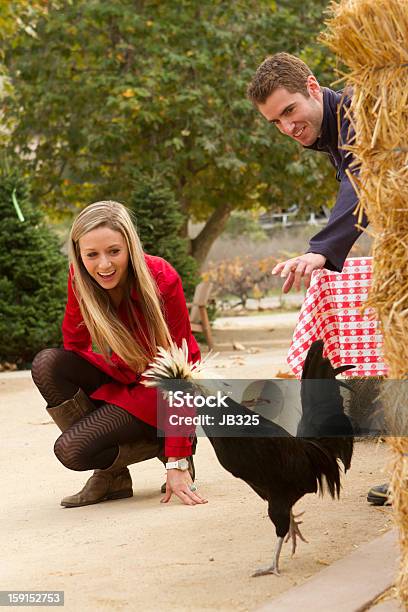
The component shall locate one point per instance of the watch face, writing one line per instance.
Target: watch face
(183, 464)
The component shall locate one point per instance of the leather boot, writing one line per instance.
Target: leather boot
(114, 482)
(71, 411)
(379, 495)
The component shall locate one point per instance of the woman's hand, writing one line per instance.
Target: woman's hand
(179, 483)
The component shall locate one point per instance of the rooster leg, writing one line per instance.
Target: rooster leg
(274, 568)
(294, 531)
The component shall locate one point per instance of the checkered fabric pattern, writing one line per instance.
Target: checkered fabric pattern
(332, 311)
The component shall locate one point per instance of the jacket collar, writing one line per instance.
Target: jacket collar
(329, 135)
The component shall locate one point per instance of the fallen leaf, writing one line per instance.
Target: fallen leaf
(285, 375)
(322, 562)
(41, 423)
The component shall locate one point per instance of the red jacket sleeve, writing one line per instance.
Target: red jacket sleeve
(74, 331)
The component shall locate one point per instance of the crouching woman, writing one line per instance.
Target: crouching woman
(122, 304)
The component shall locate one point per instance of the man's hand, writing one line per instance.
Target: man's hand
(297, 268)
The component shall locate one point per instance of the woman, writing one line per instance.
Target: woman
(124, 303)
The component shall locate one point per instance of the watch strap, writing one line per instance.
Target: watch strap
(180, 464)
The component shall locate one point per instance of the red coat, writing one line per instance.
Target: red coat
(135, 398)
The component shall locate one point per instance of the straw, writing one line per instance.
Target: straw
(370, 38)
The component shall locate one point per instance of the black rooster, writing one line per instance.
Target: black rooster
(280, 468)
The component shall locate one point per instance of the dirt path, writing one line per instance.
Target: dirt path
(138, 554)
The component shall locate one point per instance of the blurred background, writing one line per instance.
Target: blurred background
(144, 102)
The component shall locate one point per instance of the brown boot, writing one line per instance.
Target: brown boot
(101, 486)
(71, 411)
(114, 482)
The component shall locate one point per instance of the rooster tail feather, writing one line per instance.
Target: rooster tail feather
(325, 467)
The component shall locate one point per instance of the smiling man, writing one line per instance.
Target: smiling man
(286, 93)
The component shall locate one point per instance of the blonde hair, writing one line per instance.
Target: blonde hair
(107, 332)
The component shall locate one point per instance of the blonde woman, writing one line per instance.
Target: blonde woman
(123, 303)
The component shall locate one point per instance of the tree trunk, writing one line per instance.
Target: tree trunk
(184, 233)
(201, 245)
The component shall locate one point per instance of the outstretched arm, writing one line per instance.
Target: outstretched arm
(336, 239)
(330, 247)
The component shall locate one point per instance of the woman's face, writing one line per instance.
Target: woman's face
(105, 255)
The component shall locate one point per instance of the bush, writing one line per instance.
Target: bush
(246, 223)
(159, 222)
(241, 277)
(33, 276)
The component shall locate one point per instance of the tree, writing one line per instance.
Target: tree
(33, 275)
(241, 277)
(102, 88)
(15, 18)
(16, 15)
(158, 221)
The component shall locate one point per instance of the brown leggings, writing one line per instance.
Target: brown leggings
(92, 442)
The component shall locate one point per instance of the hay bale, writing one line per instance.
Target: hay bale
(370, 37)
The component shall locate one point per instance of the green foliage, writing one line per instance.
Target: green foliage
(102, 88)
(159, 221)
(17, 15)
(33, 275)
(246, 223)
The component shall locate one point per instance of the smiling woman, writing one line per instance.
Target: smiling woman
(122, 305)
(105, 255)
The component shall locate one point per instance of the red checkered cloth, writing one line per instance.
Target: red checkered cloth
(332, 311)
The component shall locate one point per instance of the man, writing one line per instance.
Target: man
(287, 94)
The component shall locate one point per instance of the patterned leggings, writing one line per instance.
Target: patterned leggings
(92, 442)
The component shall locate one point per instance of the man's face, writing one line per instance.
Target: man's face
(294, 114)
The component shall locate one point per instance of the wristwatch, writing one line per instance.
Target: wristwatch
(181, 464)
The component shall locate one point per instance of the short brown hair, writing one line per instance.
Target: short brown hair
(279, 70)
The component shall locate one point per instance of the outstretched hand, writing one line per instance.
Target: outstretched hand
(298, 268)
(179, 483)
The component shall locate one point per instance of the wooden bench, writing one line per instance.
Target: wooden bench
(198, 311)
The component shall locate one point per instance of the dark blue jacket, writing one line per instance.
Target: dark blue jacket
(336, 239)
